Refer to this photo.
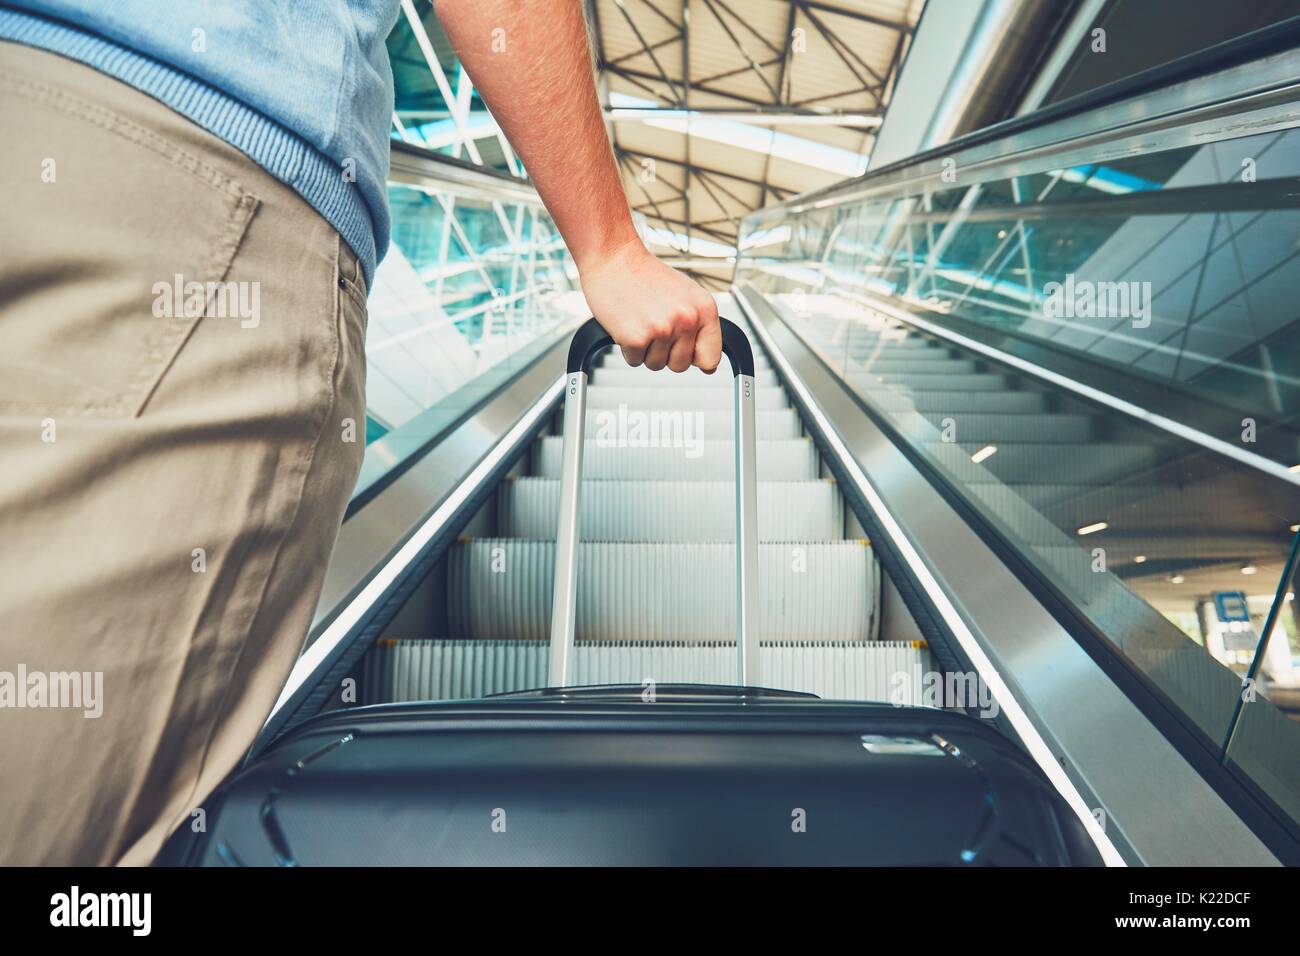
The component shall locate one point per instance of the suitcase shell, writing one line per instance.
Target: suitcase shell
(574, 779)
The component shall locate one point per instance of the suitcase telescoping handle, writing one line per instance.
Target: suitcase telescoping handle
(590, 339)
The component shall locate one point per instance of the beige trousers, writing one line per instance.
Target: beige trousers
(171, 484)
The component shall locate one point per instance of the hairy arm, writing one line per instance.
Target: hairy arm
(530, 61)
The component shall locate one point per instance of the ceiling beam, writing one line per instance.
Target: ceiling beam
(696, 168)
(735, 41)
(645, 47)
(776, 50)
(875, 92)
(842, 49)
(636, 53)
(631, 75)
(859, 15)
(734, 198)
(725, 238)
(733, 220)
(654, 204)
(738, 71)
(782, 83)
(686, 101)
(663, 16)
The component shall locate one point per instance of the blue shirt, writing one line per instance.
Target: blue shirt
(303, 87)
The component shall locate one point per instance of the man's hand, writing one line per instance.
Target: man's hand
(657, 315)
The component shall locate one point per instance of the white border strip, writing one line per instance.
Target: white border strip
(1259, 462)
(338, 630)
(1019, 719)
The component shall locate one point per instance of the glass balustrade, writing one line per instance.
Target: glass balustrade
(476, 284)
(1092, 340)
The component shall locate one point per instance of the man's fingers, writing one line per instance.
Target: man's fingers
(708, 345)
(682, 352)
(633, 357)
(656, 356)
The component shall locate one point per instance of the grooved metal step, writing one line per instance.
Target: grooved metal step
(501, 588)
(950, 403)
(1014, 427)
(675, 511)
(703, 397)
(409, 670)
(1047, 463)
(887, 364)
(930, 382)
(781, 460)
(648, 423)
(861, 339)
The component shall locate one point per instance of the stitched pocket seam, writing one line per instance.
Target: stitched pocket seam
(166, 343)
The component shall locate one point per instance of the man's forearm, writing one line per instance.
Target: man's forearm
(530, 61)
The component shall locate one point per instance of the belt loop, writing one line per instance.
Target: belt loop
(350, 267)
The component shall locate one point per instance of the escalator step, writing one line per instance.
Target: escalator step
(501, 588)
(930, 381)
(408, 670)
(950, 403)
(672, 510)
(714, 423)
(887, 364)
(1046, 463)
(702, 397)
(1007, 428)
(782, 460)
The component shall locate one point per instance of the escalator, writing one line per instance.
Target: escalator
(650, 751)
(657, 532)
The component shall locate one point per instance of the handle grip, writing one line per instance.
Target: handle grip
(592, 337)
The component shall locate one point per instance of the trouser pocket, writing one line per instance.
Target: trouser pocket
(101, 282)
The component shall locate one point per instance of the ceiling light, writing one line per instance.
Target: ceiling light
(1090, 528)
(1176, 579)
(985, 453)
(1249, 569)
(1294, 468)
(1140, 559)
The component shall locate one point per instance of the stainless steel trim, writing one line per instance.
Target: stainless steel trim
(1093, 743)
(413, 167)
(565, 607)
(747, 618)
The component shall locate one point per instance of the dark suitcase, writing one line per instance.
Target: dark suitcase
(590, 777)
(666, 775)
